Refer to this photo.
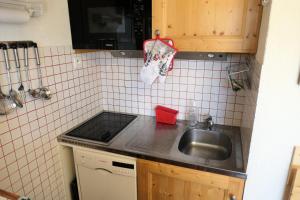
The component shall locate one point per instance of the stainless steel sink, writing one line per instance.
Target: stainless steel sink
(205, 144)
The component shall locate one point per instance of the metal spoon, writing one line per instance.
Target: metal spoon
(33, 93)
(43, 91)
(17, 61)
(14, 96)
(6, 105)
(26, 66)
(2, 105)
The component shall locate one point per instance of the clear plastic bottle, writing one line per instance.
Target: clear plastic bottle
(193, 115)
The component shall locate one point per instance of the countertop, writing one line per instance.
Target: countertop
(144, 138)
(4, 195)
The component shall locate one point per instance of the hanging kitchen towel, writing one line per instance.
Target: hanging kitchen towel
(150, 72)
(159, 56)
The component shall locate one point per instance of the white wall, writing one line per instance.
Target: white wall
(276, 128)
(51, 29)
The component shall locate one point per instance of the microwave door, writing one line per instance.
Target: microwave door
(108, 24)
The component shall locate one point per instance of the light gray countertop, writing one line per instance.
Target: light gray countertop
(146, 139)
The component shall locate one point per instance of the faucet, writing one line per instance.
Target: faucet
(209, 123)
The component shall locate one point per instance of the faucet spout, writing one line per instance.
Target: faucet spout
(209, 123)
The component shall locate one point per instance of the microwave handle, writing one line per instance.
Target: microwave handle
(148, 30)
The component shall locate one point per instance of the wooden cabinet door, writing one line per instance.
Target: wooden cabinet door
(209, 25)
(157, 181)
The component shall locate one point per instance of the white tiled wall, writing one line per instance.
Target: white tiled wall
(250, 108)
(29, 160)
(204, 82)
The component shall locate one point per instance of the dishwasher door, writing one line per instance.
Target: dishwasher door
(105, 176)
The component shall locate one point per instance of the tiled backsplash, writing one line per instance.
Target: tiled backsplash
(204, 82)
(29, 160)
(250, 108)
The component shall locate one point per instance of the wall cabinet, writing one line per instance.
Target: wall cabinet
(157, 181)
(209, 25)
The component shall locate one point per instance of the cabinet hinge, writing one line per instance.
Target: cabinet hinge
(163, 4)
(265, 2)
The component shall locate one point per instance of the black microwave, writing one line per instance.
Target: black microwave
(110, 24)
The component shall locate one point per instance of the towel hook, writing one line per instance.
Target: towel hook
(157, 33)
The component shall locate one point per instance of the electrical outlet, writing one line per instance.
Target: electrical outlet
(76, 62)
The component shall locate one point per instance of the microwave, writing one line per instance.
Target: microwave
(110, 24)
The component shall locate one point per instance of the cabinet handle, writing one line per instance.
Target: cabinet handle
(102, 169)
(233, 197)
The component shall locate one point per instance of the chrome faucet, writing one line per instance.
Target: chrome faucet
(209, 123)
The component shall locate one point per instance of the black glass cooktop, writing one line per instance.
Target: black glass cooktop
(102, 128)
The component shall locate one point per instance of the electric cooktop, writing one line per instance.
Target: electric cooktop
(102, 128)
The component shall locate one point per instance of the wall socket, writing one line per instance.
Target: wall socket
(76, 62)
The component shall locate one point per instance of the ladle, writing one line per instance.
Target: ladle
(41, 91)
(6, 105)
(26, 66)
(34, 93)
(14, 96)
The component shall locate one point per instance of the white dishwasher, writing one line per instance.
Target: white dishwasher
(105, 176)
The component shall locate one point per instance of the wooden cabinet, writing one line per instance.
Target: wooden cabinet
(292, 191)
(157, 181)
(209, 25)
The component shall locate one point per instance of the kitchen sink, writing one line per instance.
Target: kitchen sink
(211, 145)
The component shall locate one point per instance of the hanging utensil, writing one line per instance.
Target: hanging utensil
(6, 105)
(18, 67)
(42, 91)
(14, 96)
(32, 92)
(3, 103)
(26, 66)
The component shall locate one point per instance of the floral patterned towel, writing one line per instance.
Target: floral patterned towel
(159, 58)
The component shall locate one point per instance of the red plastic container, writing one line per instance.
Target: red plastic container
(165, 115)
